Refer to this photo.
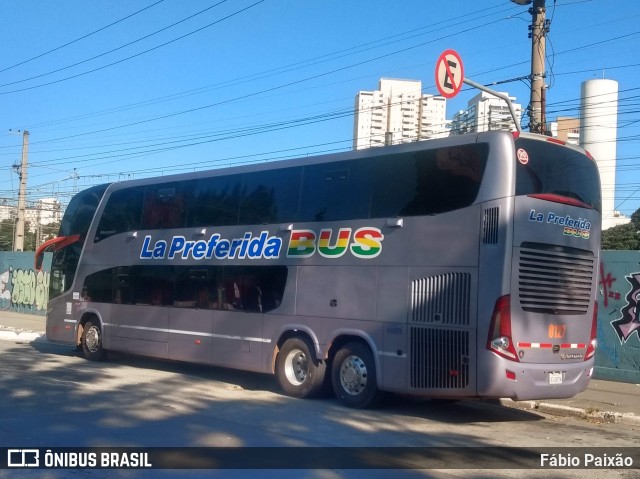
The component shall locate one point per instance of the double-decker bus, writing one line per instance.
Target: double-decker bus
(452, 268)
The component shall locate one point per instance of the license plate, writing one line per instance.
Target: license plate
(555, 378)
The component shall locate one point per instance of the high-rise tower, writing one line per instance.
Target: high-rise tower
(598, 135)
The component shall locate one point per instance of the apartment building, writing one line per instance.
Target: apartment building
(398, 112)
(485, 112)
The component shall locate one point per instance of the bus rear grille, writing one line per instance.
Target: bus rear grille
(439, 358)
(555, 279)
(442, 299)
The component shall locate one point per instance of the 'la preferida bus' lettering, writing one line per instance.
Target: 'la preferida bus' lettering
(363, 243)
(580, 228)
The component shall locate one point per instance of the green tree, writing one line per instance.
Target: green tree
(29, 238)
(623, 237)
(6, 234)
(50, 231)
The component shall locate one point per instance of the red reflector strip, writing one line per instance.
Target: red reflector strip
(549, 345)
(535, 345)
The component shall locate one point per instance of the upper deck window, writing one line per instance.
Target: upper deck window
(423, 182)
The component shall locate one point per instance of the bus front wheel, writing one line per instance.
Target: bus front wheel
(354, 376)
(91, 341)
(299, 373)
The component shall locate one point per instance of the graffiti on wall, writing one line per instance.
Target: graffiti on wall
(606, 286)
(629, 323)
(24, 289)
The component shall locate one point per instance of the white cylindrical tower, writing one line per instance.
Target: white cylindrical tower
(598, 135)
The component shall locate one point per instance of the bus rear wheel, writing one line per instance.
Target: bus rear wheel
(354, 376)
(299, 373)
(91, 341)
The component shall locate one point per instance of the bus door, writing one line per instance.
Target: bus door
(60, 320)
(237, 320)
(140, 313)
(191, 318)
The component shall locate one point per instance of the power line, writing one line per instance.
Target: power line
(290, 67)
(129, 57)
(81, 38)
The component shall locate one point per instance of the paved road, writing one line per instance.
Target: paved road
(50, 397)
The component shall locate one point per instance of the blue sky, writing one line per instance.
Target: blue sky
(125, 89)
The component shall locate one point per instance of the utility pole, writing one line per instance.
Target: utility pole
(538, 56)
(18, 243)
(537, 32)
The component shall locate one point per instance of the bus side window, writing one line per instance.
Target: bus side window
(214, 201)
(98, 287)
(123, 287)
(336, 192)
(164, 207)
(154, 285)
(265, 200)
(254, 288)
(447, 179)
(122, 213)
(196, 287)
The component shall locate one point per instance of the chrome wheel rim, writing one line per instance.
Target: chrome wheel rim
(353, 375)
(92, 339)
(296, 367)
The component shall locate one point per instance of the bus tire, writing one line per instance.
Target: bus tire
(91, 341)
(299, 373)
(354, 376)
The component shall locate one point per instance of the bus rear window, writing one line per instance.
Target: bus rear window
(556, 173)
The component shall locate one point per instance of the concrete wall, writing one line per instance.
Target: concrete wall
(618, 353)
(22, 288)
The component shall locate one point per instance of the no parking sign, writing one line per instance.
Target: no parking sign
(449, 73)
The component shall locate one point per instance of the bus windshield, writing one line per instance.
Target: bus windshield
(556, 173)
(74, 227)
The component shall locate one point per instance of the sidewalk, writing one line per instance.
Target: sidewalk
(603, 401)
(21, 327)
(606, 401)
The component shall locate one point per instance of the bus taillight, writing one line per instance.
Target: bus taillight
(593, 341)
(500, 341)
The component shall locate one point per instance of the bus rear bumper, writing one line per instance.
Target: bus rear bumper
(525, 381)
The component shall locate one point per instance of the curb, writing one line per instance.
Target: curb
(582, 413)
(11, 334)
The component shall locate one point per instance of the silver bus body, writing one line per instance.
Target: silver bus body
(490, 295)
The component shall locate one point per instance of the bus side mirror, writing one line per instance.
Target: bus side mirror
(55, 243)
